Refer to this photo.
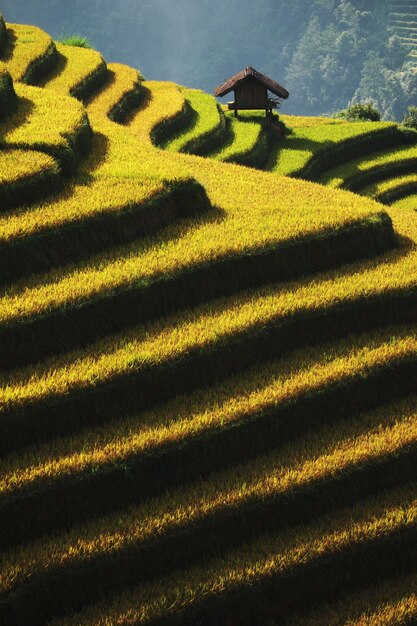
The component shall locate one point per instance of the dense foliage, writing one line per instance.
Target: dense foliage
(360, 112)
(410, 119)
(327, 52)
(348, 54)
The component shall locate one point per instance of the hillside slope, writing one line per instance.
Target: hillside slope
(318, 49)
(208, 371)
(403, 21)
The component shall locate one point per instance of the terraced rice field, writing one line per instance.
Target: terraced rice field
(208, 386)
(403, 22)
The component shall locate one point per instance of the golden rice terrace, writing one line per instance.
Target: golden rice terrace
(208, 352)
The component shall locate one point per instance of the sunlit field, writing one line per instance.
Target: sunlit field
(208, 352)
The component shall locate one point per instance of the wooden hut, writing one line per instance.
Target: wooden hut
(252, 92)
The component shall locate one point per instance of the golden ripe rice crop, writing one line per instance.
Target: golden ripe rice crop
(267, 556)
(262, 223)
(409, 202)
(78, 63)
(110, 168)
(327, 452)
(17, 165)
(184, 451)
(122, 80)
(42, 119)
(163, 101)
(237, 233)
(391, 603)
(228, 403)
(154, 344)
(29, 44)
(274, 383)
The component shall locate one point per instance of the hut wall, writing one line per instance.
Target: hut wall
(251, 95)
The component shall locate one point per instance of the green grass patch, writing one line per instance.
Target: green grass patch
(248, 144)
(208, 125)
(78, 41)
(308, 151)
(371, 168)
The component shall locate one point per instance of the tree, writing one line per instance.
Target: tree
(360, 112)
(381, 86)
(410, 119)
(312, 59)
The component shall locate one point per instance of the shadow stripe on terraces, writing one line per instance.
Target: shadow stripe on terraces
(61, 329)
(53, 592)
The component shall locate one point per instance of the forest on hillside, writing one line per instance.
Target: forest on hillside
(328, 53)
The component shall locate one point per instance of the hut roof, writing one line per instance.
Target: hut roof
(249, 72)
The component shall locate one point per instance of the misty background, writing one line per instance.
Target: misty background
(327, 53)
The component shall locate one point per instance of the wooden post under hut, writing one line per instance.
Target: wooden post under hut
(251, 92)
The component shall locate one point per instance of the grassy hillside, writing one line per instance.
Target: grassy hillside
(208, 352)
